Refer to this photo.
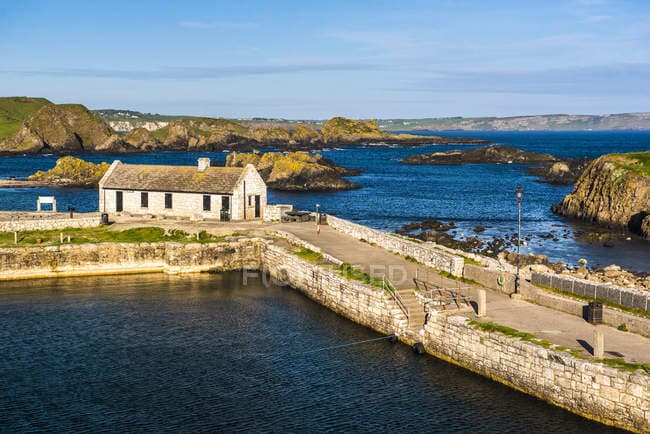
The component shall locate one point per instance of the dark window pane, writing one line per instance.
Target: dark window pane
(144, 200)
(206, 203)
(168, 200)
(225, 203)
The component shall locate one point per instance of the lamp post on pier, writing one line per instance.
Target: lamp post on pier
(317, 219)
(520, 194)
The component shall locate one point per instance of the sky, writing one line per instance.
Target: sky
(317, 59)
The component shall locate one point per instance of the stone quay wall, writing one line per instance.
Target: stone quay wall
(32, 224)
(363, 304)
(120, 258)
(628, 297)
(423, 253)
(609, 395)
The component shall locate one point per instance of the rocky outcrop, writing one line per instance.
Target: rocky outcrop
(564, 172)
(64, 128)
(72, 172)
(142, 139)
(296, 171)
(489, 154)
(613, 191)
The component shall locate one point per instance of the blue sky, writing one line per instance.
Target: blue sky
(316, 59)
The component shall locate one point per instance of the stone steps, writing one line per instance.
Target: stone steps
(415, 308)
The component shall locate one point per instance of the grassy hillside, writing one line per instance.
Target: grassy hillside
(15, 109)
(637, 162)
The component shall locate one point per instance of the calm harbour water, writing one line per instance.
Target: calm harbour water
(395, 194)
(205, 353)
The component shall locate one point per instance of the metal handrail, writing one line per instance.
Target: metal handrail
(444, 295)
(398, 299)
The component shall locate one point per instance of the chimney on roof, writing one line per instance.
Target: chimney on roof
(204, 163)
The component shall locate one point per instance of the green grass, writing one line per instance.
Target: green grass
(508, 331)
(308, 255)
(448, 275)
(642, 166)
(15, 110)
(622, 364)
(160, 133)
(102, 234)
(608, 303)
(471, 261)
(352, 273)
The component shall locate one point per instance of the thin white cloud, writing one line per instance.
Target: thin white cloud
(596, 18)
(185, 73)
(223, 25)
(196, 25)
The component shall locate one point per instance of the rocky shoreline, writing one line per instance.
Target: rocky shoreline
(614, 191)
(501, 248)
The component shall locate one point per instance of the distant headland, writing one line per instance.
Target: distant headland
(36, 125)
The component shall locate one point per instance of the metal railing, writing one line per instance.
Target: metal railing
(390, 288)
(442, 297)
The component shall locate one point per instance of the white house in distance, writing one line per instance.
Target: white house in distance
(202, 191)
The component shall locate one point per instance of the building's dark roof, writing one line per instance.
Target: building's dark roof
(218, 180)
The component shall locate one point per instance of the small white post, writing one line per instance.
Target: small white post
(198, 236)
(482, 303)
(68, 238)
(15, 237)
(599, 343)
(61, 237)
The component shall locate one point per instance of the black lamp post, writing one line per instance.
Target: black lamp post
(520, 195)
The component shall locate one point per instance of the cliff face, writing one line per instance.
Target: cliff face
(296, 171)
(614, 190)
(61, 128)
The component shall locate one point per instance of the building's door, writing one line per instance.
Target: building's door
(119, 201)
(225, 208)
(258, 205)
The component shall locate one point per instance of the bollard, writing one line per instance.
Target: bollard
(198, 236)
(599, 343)
(15, 237)
(482, 303)
(61, 237)
(68, 238)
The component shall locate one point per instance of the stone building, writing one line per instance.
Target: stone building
(198, 192)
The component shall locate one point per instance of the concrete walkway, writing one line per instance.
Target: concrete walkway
(556, 327)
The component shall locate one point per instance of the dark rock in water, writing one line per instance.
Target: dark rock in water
(564, 172)
(478, 229)
(489, 154)
(427, 224)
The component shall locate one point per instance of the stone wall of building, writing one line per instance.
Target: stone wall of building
(119, 258)
(363, 304)
(629, 297)
(274, 213)
(610, 395)
(243, 207)
(422, 252)
(31, 224)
